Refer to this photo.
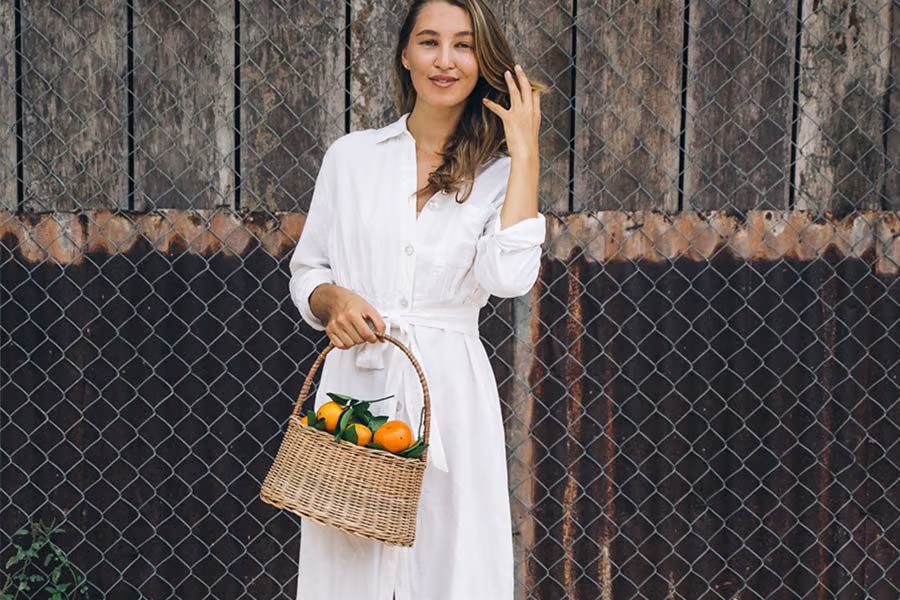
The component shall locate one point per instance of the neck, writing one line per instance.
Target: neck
(430, 126)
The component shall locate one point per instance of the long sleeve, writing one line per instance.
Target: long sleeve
(310, 264)
(507, 261)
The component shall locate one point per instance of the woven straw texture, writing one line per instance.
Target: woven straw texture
(362, 491)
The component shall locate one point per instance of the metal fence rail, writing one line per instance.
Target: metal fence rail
(700, 393)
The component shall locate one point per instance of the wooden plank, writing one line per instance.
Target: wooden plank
(292, 85)
(844, 57)
(8, 193)
(74, 100)
(184, 104)
(891, 196)
(627, 105)
(375, 25)
(540, 36)
(739, 104)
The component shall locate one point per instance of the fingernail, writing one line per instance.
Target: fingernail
(518, 68)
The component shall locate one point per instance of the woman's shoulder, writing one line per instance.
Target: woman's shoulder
(348, 143)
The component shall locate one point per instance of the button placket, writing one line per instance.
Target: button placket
(408, 249)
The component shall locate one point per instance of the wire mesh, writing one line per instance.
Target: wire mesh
(700, 393)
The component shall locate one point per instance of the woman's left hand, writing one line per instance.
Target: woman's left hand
(522, 120)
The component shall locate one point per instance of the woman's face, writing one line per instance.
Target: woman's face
(441, 46)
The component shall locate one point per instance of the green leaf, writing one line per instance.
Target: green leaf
(377, 422)
(359, 411)
(415, 445)
(350, 434)
(342, 424)
(320, 425)
(339, 398)
(311, 418)
(376, 446)
(15, 558)
(414, 451)
(417, 453)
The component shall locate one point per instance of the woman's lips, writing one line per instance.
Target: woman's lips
(443, 83)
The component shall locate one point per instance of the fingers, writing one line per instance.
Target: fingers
(495, 108)
(515, 98)
(339, 339)
(537, 110)
(525, 88)
(343, 333)
(361, 331)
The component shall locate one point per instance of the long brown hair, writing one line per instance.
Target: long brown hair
(479, 136)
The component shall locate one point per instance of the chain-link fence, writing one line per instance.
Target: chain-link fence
(700, 394)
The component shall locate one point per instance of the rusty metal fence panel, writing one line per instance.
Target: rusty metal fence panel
(700, 393)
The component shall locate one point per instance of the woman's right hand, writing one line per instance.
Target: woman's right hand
(350, 321)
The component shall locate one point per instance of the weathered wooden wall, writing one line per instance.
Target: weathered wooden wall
(754, 105)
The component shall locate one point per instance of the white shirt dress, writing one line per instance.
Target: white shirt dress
(428, 277)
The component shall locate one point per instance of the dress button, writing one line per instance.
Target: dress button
(404, 303)
(409, 249)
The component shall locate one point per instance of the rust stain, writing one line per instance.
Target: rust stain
(574, 410)
(535, 377)
(605, 574)
(64, 237)
(762, 235)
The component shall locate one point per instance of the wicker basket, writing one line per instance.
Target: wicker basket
(362, 491)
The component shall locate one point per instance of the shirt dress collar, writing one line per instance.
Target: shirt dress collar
(393, 129)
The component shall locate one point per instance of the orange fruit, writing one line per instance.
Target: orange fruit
(331, 412)
(363, 434)
(394, 436)
(304, 420)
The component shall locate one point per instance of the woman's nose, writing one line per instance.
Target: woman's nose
(443, 59)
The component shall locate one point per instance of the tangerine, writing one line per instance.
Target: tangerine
(304, 420)
(331, 412)
(394, 436)
(363, 434)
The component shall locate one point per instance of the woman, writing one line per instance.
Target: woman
(411, 227)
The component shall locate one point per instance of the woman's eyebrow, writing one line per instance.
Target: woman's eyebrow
(433, 32)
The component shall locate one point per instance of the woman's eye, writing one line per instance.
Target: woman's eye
(460, 44)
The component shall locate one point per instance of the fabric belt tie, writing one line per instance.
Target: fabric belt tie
(460, 318)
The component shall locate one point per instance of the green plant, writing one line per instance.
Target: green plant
(28, 577)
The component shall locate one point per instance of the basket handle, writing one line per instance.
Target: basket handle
(307, 383)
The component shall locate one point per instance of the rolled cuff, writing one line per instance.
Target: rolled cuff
(301, 286)
(525, 234)
(508, 260)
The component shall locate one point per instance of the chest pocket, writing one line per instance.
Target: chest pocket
(448, 233)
